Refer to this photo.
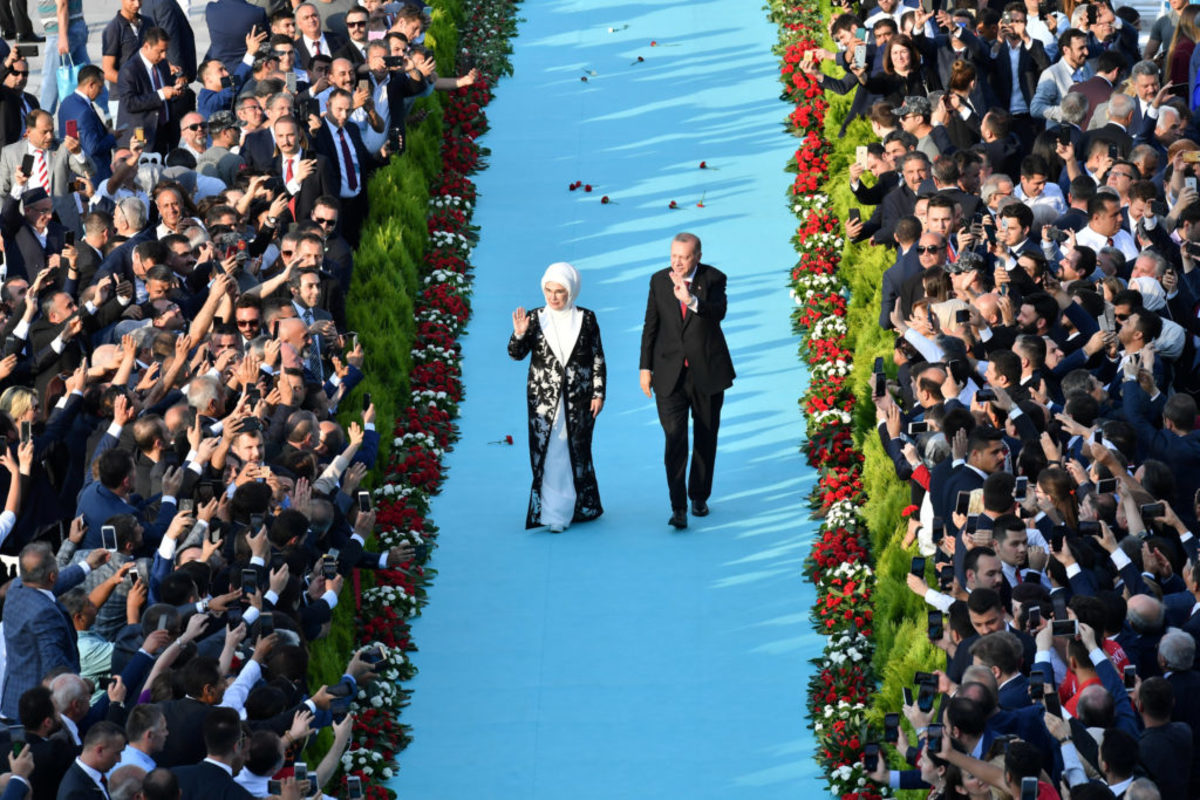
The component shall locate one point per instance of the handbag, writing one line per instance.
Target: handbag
(67, 76)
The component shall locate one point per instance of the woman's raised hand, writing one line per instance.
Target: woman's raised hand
(520, 321)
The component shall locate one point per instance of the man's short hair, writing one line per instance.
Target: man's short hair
(983, 600)
(222, 731)
(102, 732)
(1119, 751)
(1001, 649)
(155, 35)
(142, 718)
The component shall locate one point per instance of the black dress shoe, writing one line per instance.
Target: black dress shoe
(699, 508)
(678, 519)
(31, 38)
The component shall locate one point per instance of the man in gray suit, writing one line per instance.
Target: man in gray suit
(54, 166)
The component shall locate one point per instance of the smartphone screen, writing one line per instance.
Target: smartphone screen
(918, 566)
(963, 504)
(249, 581)
(364, 502)
(108, 537)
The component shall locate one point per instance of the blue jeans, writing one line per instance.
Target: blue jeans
(77, 38)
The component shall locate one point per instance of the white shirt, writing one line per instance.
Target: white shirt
(1123, 241)
(293, 186)
(91, 773)
(131, 755)
(311, 44)
(1051, 197)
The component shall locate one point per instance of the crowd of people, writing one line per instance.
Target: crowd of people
(1033, 177)
(181, 506)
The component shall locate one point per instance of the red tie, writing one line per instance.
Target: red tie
(317, 47)
(351, 178)
(287, 179)
(288, 174)
(1110, 241)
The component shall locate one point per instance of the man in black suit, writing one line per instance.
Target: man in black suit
(685, 361)
(25, 226)
(312, 41)
(306, 176)
(1116, 131)
(170, 16)
(355, 50)
(341, 143)
(1015, 44)
(85, 780)
(212, 778)
(15, 102)
(145, 88)
(52, 755)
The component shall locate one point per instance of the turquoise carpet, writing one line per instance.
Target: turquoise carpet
(622, 659)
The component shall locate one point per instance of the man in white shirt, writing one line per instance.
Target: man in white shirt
(1034, 190)
(1104, 226)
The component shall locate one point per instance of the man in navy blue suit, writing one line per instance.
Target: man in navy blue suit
(168, 15)
(229, 23)
(212, 778)
(145, 88)
(35, 623)
(95, 139)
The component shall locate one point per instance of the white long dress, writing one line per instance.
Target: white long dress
(561, 329)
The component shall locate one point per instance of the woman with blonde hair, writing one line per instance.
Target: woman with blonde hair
(20, 403)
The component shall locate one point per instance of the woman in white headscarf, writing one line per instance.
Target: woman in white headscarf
(566, 392)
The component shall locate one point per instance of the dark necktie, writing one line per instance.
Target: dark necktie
(351, 178)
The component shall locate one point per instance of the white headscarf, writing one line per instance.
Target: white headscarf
(561, 328)
(1153, 295)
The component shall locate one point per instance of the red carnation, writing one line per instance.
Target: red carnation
(604, 200)
(703, 165)
(508, 439)
(654, 44)
(673, 205)
(587, 187)
(573, 186)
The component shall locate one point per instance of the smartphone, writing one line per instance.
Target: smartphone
(340, 689)
(918, 566)
(329, 568)
(72, 127)
(962, 316)
(915, 428)
(860, 56)
(366, 401)
(108, 538)
(133, 576)
(163, 619)
(1029, 786)
(274, 787)
(340, 706)
(266, 624)
(880, 384)
(1065, 627)
(1053, 704)
(946, 578)
(877, 368)
(300, 771)
(1099, 436)
(354, 789)
(1130, 676)
(27, 50)
(1033, 618)
(985, 395)
(871, 757)
(937, 530)
(963, 504)
(1058, 535)
(364, 502)
(855, 215)
(1037, 688)
(934, 738)
(1064, 135)
(1190, 182)
(891, 728)
(69, 238)
(1021, 489)
(1153, 510)
(1114, 152)
(860, 155)
(187, 506)
(936, 625)
(139, 134)
(249, 581)
(1089, 528)
(372, 655)
(420, 552)
(973, 527)
(102, 684)
(924, 678)
(908, 697)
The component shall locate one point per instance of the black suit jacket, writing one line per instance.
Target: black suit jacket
(324, 181)
(184, 718)
(51, 758)
(140, 106)
(168, 15)
(303, 56)
(258, 150)
(205, 781)
(1112, 133)
(77, 785)
(351, 53)
(11, 112)
(323, 142)
(669, 338)
(1031, 63)
(26, 256)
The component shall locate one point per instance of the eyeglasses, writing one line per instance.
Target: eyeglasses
(199, 126)
(18, 72)
(247, 323)
(929, 248)
(355, 24)
(325, 221)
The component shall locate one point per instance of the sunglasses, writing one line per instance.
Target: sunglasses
(1121, 317)
(930, 248)
(243, 323)
(199, 126)
(356, 24)
(323, 222)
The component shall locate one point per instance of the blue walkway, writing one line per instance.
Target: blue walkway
(621, 659)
